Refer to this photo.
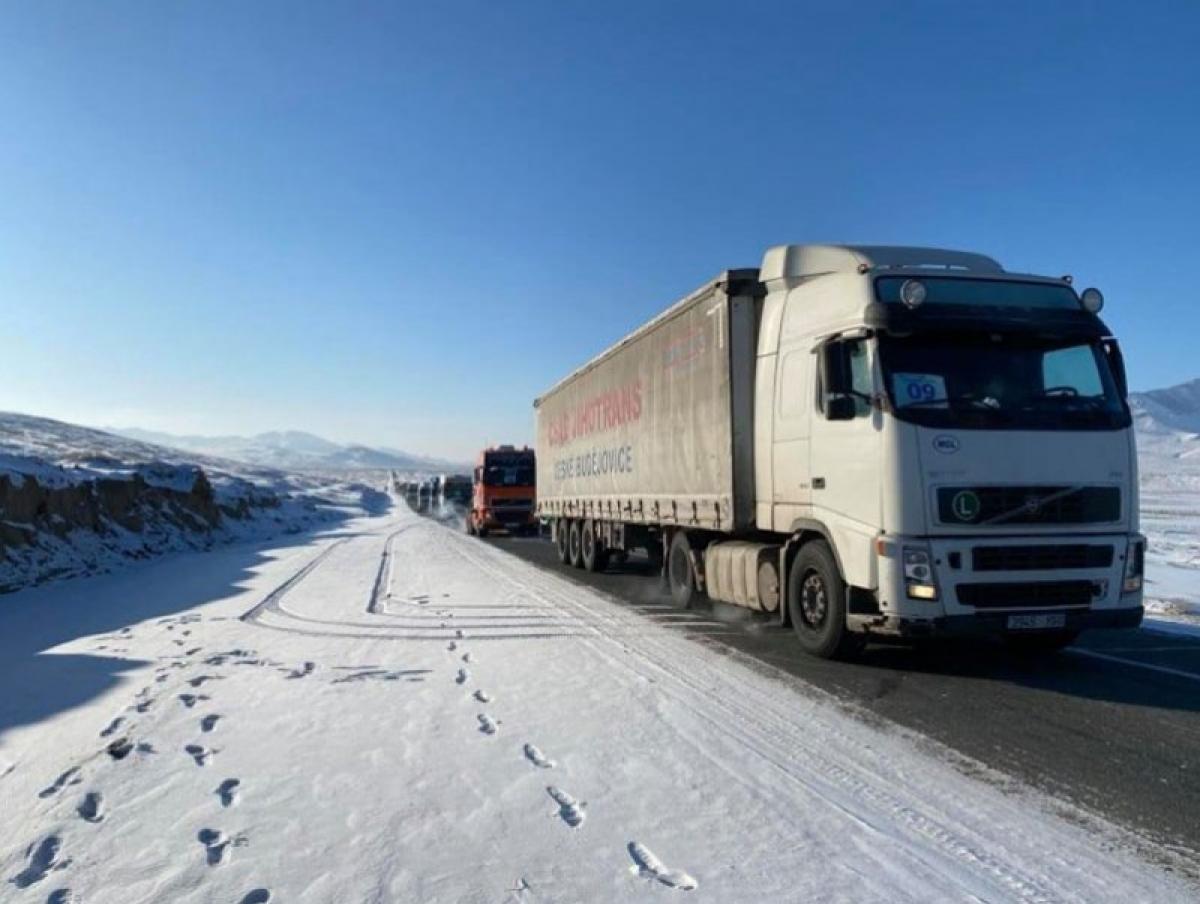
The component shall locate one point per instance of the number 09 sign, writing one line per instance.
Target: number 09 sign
(919, 389)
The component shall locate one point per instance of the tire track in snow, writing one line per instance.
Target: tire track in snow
(854, 790)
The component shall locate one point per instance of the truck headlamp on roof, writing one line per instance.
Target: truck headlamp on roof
(1092, 300)
(912, 293)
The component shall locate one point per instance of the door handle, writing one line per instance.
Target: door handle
(818, 483)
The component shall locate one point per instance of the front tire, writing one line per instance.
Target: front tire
(681, 575)
(816, 596)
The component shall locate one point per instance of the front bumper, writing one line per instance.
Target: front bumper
(989, 624)
(982, 580)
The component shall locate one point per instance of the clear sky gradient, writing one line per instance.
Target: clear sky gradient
(398, 223)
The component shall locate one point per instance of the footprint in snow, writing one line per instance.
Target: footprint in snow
(202, 755)
(487, 724)
(570, 810)
(209, 722)
(200, 679)
(452, 646)
(304, 671)
(113, 727)
(120, 748)
(258, 896)
(190, 700)
(463, 677)
(92, 808)
(70, 777)
(466, 657)
(482, 696)
(43, 857)
(538, 758)
(216, 846)
(62, 896)
(646, 864)
(229, 791)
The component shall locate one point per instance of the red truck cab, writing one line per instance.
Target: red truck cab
(505, 491)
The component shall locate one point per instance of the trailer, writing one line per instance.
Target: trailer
(867, 441)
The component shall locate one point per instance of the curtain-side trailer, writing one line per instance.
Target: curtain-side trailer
(898, 442)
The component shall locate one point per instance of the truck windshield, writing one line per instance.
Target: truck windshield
(508, 471)
(1001, 381)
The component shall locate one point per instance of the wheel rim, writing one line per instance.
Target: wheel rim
(574, 540)
(814, 601)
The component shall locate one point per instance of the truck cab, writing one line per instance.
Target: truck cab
(955, 435)
(504, 493)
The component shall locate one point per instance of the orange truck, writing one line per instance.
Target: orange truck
(505, 492)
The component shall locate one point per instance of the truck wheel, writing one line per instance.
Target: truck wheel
(562, 543)
(593, 557)
(470, 526)
(816, 596)
(1032, 645)
(681, 576)
(575, 544)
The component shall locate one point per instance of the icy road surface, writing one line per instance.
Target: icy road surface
(400, 713)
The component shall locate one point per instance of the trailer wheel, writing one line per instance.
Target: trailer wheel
(562, 544)
(681, 576)
(816, 596)
(575, 544)
(592, 556)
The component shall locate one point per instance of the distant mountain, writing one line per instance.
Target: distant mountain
(292, 450)
(1167, 422)
(1174, 408)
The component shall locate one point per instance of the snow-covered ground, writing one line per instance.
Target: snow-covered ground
(395, 712)
(1169, 462)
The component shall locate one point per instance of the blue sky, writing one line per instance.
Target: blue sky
(398, 223)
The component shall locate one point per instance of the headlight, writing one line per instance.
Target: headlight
(1135, 566)
(918, 573)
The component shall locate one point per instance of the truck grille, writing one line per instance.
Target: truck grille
(1037, 558)
(1028, 505)
(1032, 594)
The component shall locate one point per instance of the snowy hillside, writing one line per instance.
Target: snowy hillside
(1169, 462)
(75, 500)
(292, 450)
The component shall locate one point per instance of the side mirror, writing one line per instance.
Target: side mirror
(839, 408)
(835, 369)
(835, 382)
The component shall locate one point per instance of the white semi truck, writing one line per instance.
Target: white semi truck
(869, 442)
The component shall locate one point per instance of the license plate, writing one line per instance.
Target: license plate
(1037, 622)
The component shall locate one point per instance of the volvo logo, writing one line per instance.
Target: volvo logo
(945, 444)
(965, 505)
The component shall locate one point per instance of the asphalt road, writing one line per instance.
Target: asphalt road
(1112, 724)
